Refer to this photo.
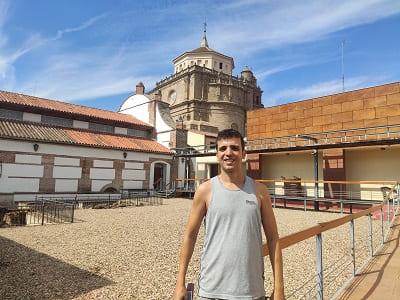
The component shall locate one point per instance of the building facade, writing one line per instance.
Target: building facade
(203, 94)
(50, 147)
(356, 135)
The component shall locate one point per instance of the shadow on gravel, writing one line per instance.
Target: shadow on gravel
(28, 274)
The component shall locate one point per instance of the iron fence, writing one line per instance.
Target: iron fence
(48, 211)
(136, 198)
(326, 282)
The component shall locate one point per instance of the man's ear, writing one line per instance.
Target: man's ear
(244, 155)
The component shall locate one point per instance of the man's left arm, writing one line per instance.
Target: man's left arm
(271, 233)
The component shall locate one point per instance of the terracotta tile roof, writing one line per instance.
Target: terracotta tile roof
(202, 50)
(50, 134)
(68, 108)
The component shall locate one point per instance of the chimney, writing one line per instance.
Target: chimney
(157, 96)
(140, 89)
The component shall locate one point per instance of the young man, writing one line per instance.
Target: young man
(235, 208)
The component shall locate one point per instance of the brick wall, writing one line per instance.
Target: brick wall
(375, 106)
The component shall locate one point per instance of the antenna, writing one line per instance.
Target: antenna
(205, 25)
(343, 42)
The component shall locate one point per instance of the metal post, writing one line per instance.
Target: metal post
(274, 199)
(388, 211)
(42, 212)
(319, 266)
(352, 245)
(371, 246)
(381, 218)
(315, 154)
(187, 171)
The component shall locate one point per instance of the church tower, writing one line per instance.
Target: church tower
(203, 93)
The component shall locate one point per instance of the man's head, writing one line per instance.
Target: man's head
(230, 133)
(230, 150)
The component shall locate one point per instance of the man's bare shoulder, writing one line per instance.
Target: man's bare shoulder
(260, 188)
(204, 188)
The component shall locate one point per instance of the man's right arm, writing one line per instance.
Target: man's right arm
(197, 213)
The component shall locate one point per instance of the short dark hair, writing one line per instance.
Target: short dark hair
(230, 133)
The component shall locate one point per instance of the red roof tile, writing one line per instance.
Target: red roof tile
(53, 105)
(51, 134)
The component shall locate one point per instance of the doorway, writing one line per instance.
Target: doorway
(213, 170)
(159, 176)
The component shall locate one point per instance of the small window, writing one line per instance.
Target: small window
(220, 66)
(199, 62)
(206, 62)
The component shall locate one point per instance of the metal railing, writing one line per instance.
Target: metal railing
(317, 285)
(128, 198)
(389, 133)
(354, 135)
(48, 211)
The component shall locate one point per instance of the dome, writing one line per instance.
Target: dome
(246, 69)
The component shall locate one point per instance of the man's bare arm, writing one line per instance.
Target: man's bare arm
(271, 233)
(197, 213)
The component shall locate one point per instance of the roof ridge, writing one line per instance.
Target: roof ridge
(79, 109)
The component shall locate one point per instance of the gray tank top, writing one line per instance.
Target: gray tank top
(232, 263)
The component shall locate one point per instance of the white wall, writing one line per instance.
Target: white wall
(299, 164)
(66, 161)
(136, 106)
(24, 175)
(372, 164)
(31, 117)
(80, 124)
(67, 172)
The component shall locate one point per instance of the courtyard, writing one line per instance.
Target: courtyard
(133, 253)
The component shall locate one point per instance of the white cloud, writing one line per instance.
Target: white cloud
(32, 42)
(83, 26)
(75, 77)
(320, 89)
(274, 24)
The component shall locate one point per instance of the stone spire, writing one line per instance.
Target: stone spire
(204, 42)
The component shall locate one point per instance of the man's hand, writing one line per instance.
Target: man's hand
(180, 293)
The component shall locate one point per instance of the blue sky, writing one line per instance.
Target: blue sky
(94, 52)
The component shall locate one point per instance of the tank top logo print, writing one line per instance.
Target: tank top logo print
(249, 202)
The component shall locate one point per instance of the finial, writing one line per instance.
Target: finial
(204, 42)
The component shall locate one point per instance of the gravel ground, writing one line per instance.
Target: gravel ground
(133, 253)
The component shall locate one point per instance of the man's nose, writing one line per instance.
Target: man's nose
(228, 150)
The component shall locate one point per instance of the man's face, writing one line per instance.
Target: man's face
(230, 154)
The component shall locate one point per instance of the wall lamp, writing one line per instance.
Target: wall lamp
(35, 147)
(124, 154)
